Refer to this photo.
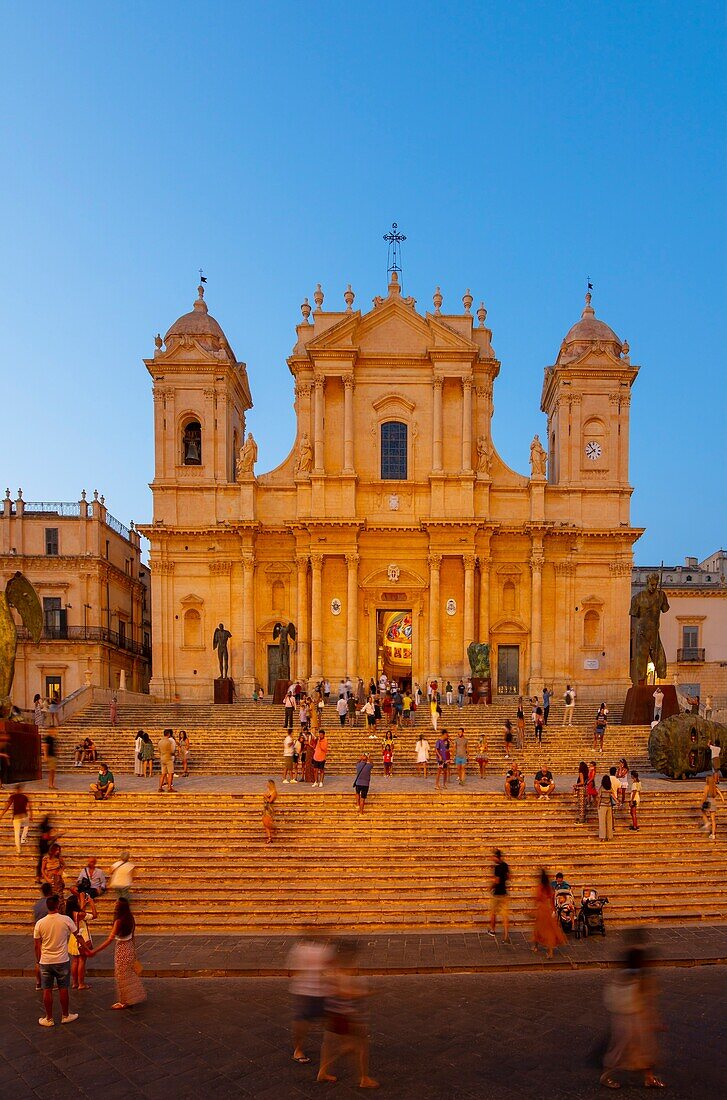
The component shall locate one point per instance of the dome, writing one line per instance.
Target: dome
(197, 323)
(590, 329)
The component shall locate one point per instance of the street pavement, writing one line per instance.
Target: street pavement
(474, 1037)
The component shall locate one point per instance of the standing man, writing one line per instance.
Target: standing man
(442, 750)
(342, 709)
(166, 748)
(288, 707)
(22, 814)
(362, 782)
(460, 755)
(499, 902)
(449, 693)
(708, 708)
(715, 750)
(569, 699)
(288, 750)
(50, 936)
(470, 690)
(547, 695)
(220, 639)
(460, 693)
(658, 703)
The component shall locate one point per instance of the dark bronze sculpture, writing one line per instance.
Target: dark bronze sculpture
(219, 642)
(20, 594)
(479, 659)
(678, 745)
(646, 608)
(282, 632)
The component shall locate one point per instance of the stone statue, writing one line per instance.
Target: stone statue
(484, 456)
(646, 607)
(478, 654)
(538, 458)
(305, 455)
(219, 642)
(282, 632)
(247, 457)
(20, 594)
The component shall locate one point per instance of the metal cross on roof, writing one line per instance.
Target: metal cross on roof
(394, 239)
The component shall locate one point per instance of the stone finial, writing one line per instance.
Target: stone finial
(318, 298)
(83, 494)
(200, 292)
(95, 494)
(394, 286)
(102, 499)
(7, 494)
(131, 526)
(437, 299)
(348, 297)
(305, 310)
(158, 341)
(20, 494)
(481, 314)
(625, 349)
(467, 301)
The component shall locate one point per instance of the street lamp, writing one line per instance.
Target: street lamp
(86, 609)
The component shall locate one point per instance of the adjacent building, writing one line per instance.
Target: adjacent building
(393, 534)
(94, 590)
(694, 630)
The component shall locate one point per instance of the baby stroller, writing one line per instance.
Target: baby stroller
(565, 909)
(590, 915)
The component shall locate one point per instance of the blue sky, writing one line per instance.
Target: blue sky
(520, 146)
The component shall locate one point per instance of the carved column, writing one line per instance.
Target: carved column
(467, 426)
(301, 625)
(352, 561)
(318, 466)
(536, 616)
(248, 621)
(469, 604)
(435, 561)
(348, 425)
(437, 426)
(316, 634)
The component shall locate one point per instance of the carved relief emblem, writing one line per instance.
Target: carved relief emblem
(335, 606)
(394, 502)
(451, 607)
(393, 573)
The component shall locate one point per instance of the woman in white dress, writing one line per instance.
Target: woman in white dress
(421, 751)
(138, 764)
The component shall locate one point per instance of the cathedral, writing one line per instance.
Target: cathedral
(393, 534)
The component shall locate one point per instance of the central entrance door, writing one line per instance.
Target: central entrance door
(394, 638)
(508, 670)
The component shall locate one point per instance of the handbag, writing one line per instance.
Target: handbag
(705, 807)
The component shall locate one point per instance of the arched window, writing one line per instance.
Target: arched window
(591, 628)
(393, 451)
(508, 596)
(192, 627)
(192, 443)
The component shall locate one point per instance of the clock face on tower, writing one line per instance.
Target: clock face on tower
(593, 450)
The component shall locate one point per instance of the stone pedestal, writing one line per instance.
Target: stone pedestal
(481, 689)
(224, 690)
(21, 741)
(281, 686)
(639, 706)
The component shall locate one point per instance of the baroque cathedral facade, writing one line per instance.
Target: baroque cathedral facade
(393, 534)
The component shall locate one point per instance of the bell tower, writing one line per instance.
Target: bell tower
(586, 397)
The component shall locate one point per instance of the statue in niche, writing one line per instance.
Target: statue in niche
(247, 457)
(538, 458)
(484, 456)
(305, 455)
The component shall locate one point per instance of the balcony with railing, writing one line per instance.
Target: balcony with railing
(690, 654)
(60, 632)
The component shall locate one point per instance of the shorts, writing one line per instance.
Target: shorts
(167, 767)
(319, 764)
(499, 905)
(362, 791)
(370, 719)
(443, 763)
(61, 972)
(295, 758)
(308, 1008)
(288, 762)
(460, 761)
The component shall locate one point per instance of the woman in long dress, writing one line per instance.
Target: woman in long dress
(129, 986)
(138, 763)
(581, 792)
(51, 870)
(631, 1001)
(546, 926)
(268, 818)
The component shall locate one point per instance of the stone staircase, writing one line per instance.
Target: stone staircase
(414, 861)
(247, 738)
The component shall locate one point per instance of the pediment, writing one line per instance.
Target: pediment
(192, 600)
(393, 327)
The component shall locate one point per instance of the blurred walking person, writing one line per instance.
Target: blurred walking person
(308, 963)
(346, 1030)
(21, 813)
(546, 926)
(631, 1002)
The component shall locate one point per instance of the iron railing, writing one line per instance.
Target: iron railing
(60, 633)
(117, 526)
(53, 507)
(690, 653)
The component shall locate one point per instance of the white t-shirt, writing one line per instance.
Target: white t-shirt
(53, 931)
(309, 961)
(288, 746)
(122, 874)
(715, 751)
(422, 751)
(342, 706)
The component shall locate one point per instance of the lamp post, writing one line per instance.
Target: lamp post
(86, 609)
